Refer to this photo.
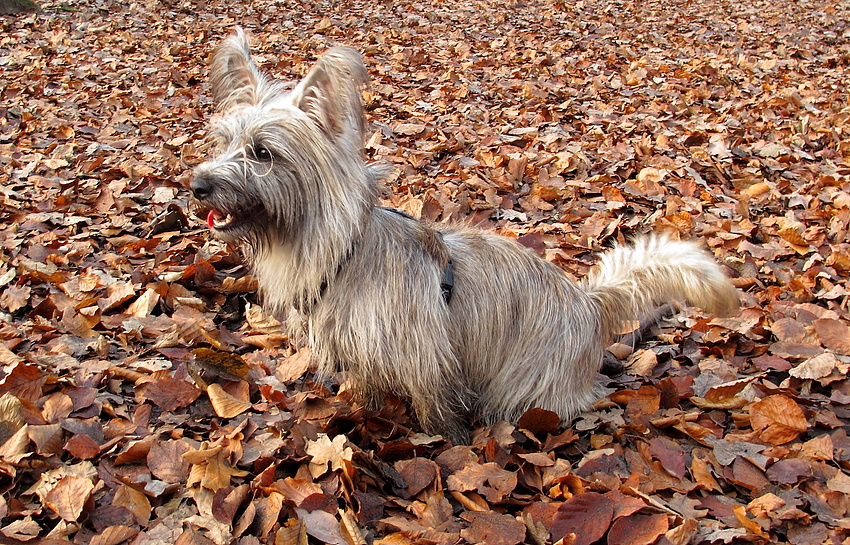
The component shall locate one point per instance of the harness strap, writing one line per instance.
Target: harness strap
(447, 284)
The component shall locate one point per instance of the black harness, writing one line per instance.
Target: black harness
(447, 284)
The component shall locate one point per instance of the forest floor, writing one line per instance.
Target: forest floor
(145, 398)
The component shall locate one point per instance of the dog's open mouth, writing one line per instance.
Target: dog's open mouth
(232, 222)
(216, 219)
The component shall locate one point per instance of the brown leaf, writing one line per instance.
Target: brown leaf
(169, 393)
(268, 511)
(48, 439)
(701, 474)
(747, 474)
(834, 334)
(82, 446)
(325, 450)
(294, 532)
(642, 363)
(190, 536)
(670, 454)
(646, 400)
(322, 526)
(302, 493)
(144, 305)
(587, 516)
(788, 471)
(490, 480)
(16, 447)
(815, 368)
(493, 528)
(793, 237)
(135, 502)
(117, 294)
(25, 381)
(68, 498)
(15, 298)
(216, 472)
(225, 364)
(294, 367)
(539, 421)
(409, 129)
(227, 501)
(751, 525)
(418, 473)
(23, 530)
(165, 460)
(113, 535)
(637, 529)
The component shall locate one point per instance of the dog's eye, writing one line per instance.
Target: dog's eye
(262, 154)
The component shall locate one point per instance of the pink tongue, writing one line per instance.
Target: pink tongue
(211, 217)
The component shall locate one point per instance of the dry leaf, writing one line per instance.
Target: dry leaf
(68, 498)
(224, 404)
(778, 419)
(586, 516)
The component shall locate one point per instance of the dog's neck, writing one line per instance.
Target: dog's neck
(295, 275)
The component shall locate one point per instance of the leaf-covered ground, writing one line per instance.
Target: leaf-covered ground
(145, 398)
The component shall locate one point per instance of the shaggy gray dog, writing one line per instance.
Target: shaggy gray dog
(463, 324)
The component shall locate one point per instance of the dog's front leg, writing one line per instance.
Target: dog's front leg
(437, 414)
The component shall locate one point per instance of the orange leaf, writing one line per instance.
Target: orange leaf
(778, 419)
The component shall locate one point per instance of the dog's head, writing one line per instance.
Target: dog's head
(283, 162)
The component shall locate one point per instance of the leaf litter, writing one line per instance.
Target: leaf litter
(145, 397)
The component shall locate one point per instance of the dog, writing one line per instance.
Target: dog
(464, 325)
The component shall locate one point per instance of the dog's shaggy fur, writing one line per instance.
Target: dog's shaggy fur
(362, 284)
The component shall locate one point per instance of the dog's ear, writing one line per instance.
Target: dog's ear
(234, 77)
(331, 93)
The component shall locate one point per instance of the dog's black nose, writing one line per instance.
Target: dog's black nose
(201, 187)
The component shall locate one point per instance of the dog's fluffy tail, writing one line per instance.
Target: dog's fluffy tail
(631, 281)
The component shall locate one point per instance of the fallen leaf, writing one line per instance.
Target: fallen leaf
(491, 481)
(68, 498)
(166, 462)
(418, 473)
(493, 528)
(778, 419)
(587, 516)
(224, 404)
(637, 529)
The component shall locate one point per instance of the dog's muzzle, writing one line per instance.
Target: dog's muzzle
(201, 186)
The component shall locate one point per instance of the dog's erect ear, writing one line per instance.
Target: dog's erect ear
(331, 93)
(234, 77)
